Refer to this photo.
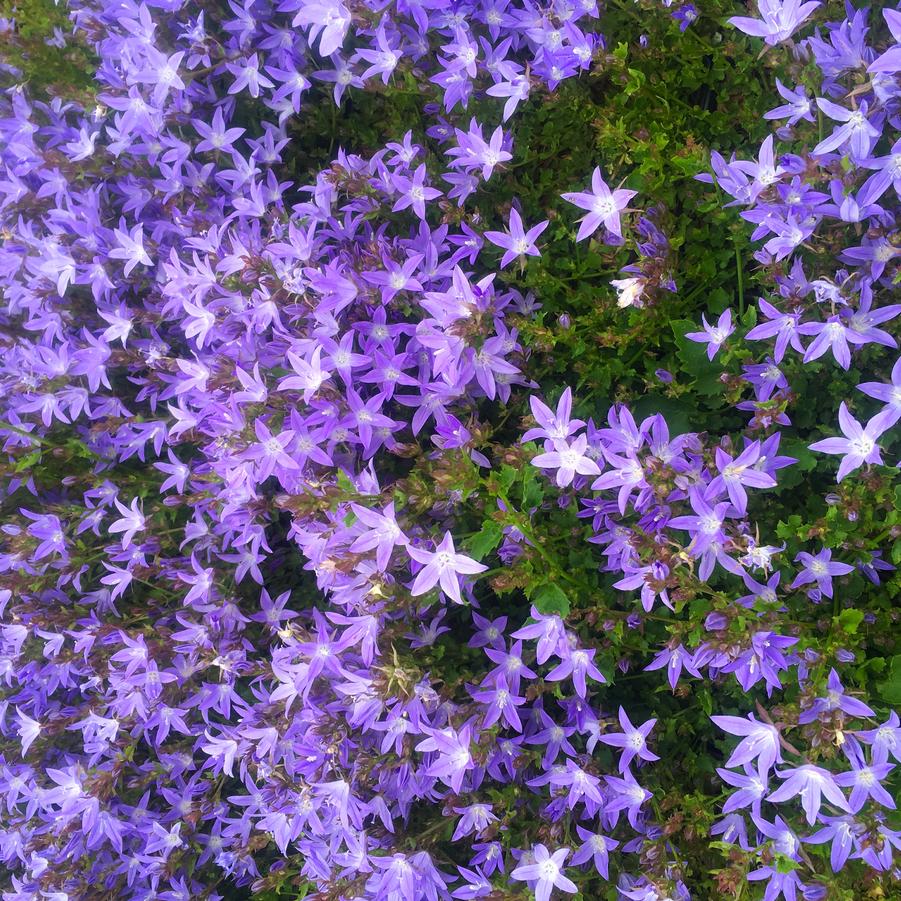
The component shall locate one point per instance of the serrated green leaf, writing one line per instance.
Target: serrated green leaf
(849, 620)
(550, 598)
(486, 540)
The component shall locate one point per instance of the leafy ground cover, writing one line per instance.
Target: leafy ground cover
(449, 450)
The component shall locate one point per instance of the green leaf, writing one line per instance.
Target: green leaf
(849, 620)
(507, 476)
(550, 598)
(29, 461)
(890, 688)
(784, 864)
(486, 540)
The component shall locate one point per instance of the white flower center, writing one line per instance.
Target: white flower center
(862, 445)
(548, 871)
(710, 524)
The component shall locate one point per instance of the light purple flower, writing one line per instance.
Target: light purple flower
(714, 336)
(442, 567)
(569, 459)
(633, 740)
(603, 206)
(778, 20)
(516, 242)
(859, 444)
(760, 742)
(812, 783)
(545, 872)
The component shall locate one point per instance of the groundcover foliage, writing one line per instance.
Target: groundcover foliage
(448, 450)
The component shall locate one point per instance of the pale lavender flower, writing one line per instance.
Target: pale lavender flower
(760, 742)
(517, 242)
(812, 783)
(545, 872)
(713, 335)
(547, 629)
(633, 740)
(442, 567)
(603, 206)
(859, 444)
(569, 459)
(885, 739)
(778, 20)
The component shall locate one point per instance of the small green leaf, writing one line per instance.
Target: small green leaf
(550, 598)
(849, 620)
(890, 688)
(486, 540)
(784, 864)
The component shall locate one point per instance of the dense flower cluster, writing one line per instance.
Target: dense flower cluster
(243, 418)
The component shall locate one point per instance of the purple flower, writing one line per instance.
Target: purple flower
(501, 702)
(553, 425)
(841, 832)
(812, 783)
(414, 191)
(382, 533)
(568, 458)
(889, 393)
(473, 152)
(798, 105)
(714, 336)
(864, 781)
(762, 660)
(706, 526)
(454, 757)
(441, 567)
(516, 242)
(516, 90)
(819, 569)
(131, 247)
(489, 632)
(131, 522)
(835, 699)
(475, 818)
(222, 751)
(216, 136)
(778, 20)
(751, 789)
(328, 20)
(885, 739)
(890, 61)
(27, 729)
(674, 659)
(735, 474)
(760, 742)
(49, 531)
(579, 664)
(629, 796)
(384, 60)
(548, 630)
(633, 740)
(859, 444)
(596, 848)
(544, 872)
(858, 133)
(603, 205)
(784, 326)
(685, 15)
